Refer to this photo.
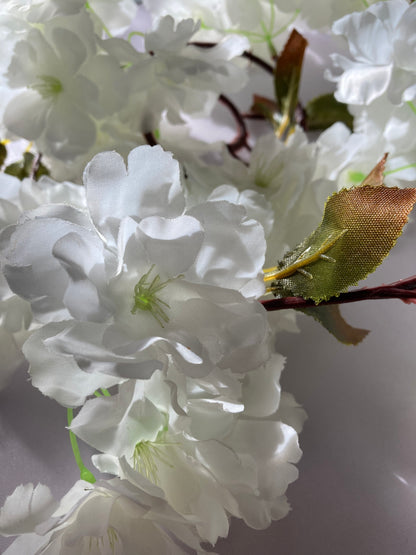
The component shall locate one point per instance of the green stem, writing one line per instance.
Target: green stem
(134, 34)
(282, 29)
(272, 16)
(400, 169)
(411, 106)
(85, 474)
(105, 29)
(105, 392)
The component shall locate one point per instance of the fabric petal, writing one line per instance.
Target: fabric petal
(25, 508)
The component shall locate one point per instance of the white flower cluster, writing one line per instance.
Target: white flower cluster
(376, 77)
(133, 292)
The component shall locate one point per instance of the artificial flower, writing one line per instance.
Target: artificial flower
(138, 280)
(382, 49)
(108, 517)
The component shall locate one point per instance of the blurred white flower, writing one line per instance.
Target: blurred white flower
(62, 74)
(382, 45)
(108, 517)
(176, 77)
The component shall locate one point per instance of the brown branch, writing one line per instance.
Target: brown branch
(246, 54)
(258, 61)
(240, 140)
(35, 166)
(150, 138)
(404, 289)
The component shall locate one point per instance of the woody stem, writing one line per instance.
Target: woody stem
(404, 289)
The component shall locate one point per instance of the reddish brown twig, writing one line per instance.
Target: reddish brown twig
(259, 62)
(240, 140)
(404, 289)
(36, 165)
(246, 54)
(150, 138)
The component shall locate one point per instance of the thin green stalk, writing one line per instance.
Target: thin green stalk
(400, 169)
(85, 474)
(411, 106)
(134, 34)
(105, 29)
(282, 29)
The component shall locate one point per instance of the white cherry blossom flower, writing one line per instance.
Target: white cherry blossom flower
(217, 446)
(59, 75)
(175, 77)
(347, 157)
(257, 20)
(108, 517)
(138, 281)
(382, 45)
(15, 314)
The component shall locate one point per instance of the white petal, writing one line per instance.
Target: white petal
(59, 376)
(171, 244)
(151, 186)
(234, 247)
(11, 357)
(25, 115)
(261, 389)
(82, 256)
(69, 131)
(363, 84)
(25, 508)
(116, 424)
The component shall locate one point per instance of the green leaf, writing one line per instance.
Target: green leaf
(287, 78)
(29, 166)
(323, 111)
(330, 317)
(266, 108)
(3, 153)
(359, 227)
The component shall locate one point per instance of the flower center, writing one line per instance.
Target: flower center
(146, 297)
(147, 454)
(48, 86)
(102, 543)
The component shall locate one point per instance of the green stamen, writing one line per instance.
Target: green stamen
(85, 474)
(48, 86)
(145, 455)
(145, 297)
(100, 543)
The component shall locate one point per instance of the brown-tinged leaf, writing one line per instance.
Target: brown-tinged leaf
(267, 108)
(330, 317)
(287, 78)
(359, 227)
(376, 176)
